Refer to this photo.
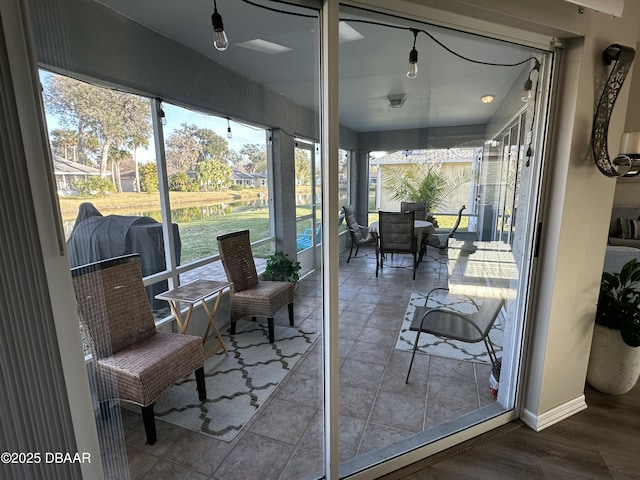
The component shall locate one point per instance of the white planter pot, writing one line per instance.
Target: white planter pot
(614, 367)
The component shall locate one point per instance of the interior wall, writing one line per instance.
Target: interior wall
(442, 137)
(628, 190)
(574, 235)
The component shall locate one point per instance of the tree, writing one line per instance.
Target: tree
(117, 157)
(180, 182)
(64, 140)
(303, 167)
(236, 160)
(255, 158)
(182, 150)
(213, 175)
(110, 116)
(149, 177)
(190, 145)
(139, 138)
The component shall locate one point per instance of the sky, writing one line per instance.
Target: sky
(242, 134)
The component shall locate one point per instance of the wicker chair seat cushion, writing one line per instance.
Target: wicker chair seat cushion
(143, 371)
(262, 300)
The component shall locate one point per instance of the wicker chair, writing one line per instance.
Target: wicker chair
(251, 297)
(396, 235)
(133, 362)
(420, 209)
(359, 234)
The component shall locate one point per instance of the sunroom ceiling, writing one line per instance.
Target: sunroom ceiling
(373, 60)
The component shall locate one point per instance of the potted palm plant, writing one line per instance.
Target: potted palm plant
(281, 267)
(614, 362)
(423, 183)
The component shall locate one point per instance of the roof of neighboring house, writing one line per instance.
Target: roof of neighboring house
(463, 154)
(62, 166)
(240, 175)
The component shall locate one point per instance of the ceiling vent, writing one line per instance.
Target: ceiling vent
(396, 101)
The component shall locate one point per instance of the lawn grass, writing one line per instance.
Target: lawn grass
(198, 235)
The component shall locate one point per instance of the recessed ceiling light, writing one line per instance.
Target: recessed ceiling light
(347, 33)
(264, 46)
(487, 98)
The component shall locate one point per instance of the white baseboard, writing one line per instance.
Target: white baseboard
(553, 416)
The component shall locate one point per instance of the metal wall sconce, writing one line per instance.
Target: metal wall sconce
(628, 163)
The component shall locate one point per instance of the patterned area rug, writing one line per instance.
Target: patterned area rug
(238, 384)
(444, 347)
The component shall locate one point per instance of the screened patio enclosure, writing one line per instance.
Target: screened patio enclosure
(245, 97)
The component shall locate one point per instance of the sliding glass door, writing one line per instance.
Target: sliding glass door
(459, 125)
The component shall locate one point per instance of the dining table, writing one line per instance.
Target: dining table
(421, 228)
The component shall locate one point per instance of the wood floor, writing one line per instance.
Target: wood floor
(601, 442)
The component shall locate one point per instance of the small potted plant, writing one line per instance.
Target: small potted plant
(281, 267)
(614, 362)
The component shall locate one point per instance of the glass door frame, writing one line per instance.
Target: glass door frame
(310, 257)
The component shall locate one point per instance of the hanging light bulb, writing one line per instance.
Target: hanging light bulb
(163, 118)
(229, 134)
(528, 84)
(413, 58)
(219, 37)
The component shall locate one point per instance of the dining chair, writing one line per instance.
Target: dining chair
(132, 361)
(359, 235)
(251, 297)
(420, 209)
(396, 235)
(444, 237)
(465, 327)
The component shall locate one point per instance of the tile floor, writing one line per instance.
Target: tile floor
(284, 439)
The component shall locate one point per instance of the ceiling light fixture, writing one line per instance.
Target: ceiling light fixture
(413, 57)
(487, 98)
(219, 37)
(229, 134)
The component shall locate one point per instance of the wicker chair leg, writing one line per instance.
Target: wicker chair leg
(291, 314)
(200, 383)
(232, 327)
(149, 424)
(271, 334)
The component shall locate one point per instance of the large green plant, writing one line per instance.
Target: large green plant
(422, 182)
(619, 302)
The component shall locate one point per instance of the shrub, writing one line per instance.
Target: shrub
(95, 186)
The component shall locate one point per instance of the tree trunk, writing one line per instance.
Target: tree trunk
(104, 157)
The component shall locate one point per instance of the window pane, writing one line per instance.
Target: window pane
(217, 183)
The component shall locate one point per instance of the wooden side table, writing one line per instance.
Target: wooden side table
(192, 293)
